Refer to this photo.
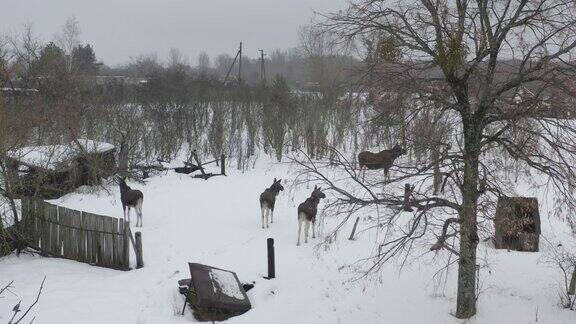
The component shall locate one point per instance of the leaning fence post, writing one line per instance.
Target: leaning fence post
(271, 263)
(138, 248)
(222, 164)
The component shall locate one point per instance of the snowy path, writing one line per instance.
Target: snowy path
(217, 222)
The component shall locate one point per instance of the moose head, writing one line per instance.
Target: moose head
(317, 193)
(398, 150)
(277, 186)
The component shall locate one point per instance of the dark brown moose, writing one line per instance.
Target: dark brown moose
(307, 213)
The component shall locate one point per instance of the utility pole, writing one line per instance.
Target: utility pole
(262, 68)
(238, 56)
(240, 64)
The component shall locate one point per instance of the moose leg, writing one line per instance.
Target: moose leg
(272, 215)
(128, 214)
(263, 210)
(306, 231)
(313, 234)
(138, 215)
(300, 220)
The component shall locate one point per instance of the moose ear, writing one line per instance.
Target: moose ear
(274, 179)
(279, 180)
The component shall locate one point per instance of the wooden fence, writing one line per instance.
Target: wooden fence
(71, 234)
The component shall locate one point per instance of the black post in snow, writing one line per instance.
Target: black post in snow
(271, 264)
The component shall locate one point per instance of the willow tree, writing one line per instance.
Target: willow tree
(496, 68)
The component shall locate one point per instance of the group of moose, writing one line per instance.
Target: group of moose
(307, 210)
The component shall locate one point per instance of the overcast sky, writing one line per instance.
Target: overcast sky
(120, 29)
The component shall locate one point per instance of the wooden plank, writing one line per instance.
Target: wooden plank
(99, 226)
(61, 230)
(76, 241)
(72, 254)
(53, 230)
(111, 229)
(68, 238)
(124, 245)
(41, 216)
(86, 219)
(110, 241)
(86, 226)
(115, 243)
(95, 238)
(105, 242)
(57, 229)
(81, 239)
(36, 230)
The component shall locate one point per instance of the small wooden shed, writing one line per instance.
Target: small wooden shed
(51, 171)
(517, 224)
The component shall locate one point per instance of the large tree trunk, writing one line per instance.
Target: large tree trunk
(466, 300)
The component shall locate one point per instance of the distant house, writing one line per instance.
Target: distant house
(105, 80)
(52, 171)
(18, 91)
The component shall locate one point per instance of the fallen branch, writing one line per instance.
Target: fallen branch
(16, 308)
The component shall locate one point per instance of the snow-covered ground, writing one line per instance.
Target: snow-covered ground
(217, 222)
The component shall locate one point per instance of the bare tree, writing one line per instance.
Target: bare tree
(203, 63)
(68, 38)
(492, 68)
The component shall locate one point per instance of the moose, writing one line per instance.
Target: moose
(131, 199)
(268, 200)
(307, 213)
(381, 160)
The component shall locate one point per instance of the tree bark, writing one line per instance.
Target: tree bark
(437, 175)
(466, 299)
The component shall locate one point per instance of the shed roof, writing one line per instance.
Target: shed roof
(57, 157)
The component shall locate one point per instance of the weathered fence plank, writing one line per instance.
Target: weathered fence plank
(107, 223)
(41, 216)
(115, 240)
(81, 236)
(125, 245)
(64, 232)
(53, 236)
(92, 224)
(88, 238)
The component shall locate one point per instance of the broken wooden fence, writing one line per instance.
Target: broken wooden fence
(71, 234)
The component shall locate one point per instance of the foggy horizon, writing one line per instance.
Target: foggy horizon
(119, 31)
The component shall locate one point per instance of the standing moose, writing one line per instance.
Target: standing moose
(268, 200)
(381, 160)
(307, 213)
(131, 198)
